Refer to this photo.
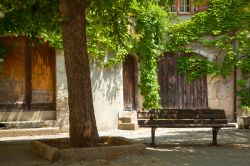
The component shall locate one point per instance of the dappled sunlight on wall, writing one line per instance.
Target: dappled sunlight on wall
(107, 89)
(43, 74)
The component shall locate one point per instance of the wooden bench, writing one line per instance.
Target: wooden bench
(183, 118)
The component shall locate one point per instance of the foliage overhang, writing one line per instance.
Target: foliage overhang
(118, 27)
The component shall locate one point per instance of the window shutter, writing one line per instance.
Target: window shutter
(201, 7)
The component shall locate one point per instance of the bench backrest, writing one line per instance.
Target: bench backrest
(181, 116)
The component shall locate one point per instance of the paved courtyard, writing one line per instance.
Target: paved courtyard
(176, 147)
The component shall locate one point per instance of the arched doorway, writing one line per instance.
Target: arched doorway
(130, 83)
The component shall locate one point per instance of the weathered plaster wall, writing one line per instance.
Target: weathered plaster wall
(62, 113)
(107, 88)
(221, 95)
(107, 92)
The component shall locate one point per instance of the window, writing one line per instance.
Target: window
(181, 6)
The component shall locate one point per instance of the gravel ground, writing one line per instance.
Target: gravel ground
(175, 147)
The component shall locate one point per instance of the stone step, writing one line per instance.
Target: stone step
(125, 120)
(128, 119)
(27, 124)
(127, 113)
(127, 126)
(29, 132)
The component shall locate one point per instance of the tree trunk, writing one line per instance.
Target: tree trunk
(83, 130)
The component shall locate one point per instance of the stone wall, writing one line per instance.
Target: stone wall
(62, 109)
(107, 89)
(221, 94)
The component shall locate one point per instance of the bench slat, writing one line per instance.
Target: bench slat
(190, 125)
(187, 110)
(183, 121)
(182, 114)
(144, 115)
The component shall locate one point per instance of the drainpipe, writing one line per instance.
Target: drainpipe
(235, 97)
(235, 46)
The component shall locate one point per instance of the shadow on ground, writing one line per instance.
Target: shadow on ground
(192, 147)
(175, 147)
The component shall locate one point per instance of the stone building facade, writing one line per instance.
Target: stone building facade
(108, 90)
(27, 96)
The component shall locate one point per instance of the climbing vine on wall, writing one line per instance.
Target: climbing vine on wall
(189, 65)
(228, 23)
(244, 94)
(3, 52)
(152, 22)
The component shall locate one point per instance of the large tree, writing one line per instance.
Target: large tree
(83, 130)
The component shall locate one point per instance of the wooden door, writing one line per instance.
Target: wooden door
(13, 71)
(175, 92)
(129, 83)
(42, 74)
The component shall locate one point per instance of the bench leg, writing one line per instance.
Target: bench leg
(215, 132)
(153, 135)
